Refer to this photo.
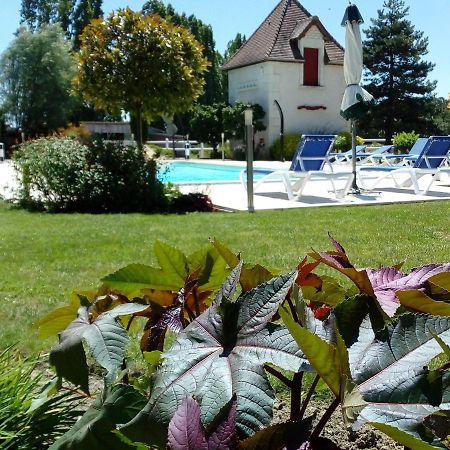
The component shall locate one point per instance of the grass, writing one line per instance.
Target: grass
(43, 256)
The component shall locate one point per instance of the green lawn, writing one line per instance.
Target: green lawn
(43, 256)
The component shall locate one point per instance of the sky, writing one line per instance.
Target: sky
(229, 17)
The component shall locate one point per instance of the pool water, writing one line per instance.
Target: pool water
(189, 172)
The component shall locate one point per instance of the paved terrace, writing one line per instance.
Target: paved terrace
(233, 196)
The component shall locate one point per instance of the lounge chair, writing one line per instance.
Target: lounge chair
(433, 155)
(376, 155)
(345, 157)
(308, 162)
(408, 159)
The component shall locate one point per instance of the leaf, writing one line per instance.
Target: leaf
(107, 340)
(186, 431)
(105, 337)
(94, 431)
(172, 261)
(322, 355)
(222, 353)
(57, 320)
(386, 294)
(185, 428)
(421, 302)
(69, 361)
(439, 286)
(390, 371)
(403, 438)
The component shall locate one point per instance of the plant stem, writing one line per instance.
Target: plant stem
(296, 395)
(197, 307)
(310, 393)
(278, 375)
(293, 310)
(323, 421)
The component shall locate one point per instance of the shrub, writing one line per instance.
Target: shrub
(62, 174)
(404, 141)
(344, 141)
(212, 328)
(290, 145)
(192, 202)
(30, 418)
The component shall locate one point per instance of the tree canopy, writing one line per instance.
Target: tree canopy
(396, 73)
(72, 15)
(142, 64)
(214, 83)
(35, 76)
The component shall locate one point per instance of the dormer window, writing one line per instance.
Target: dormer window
(311, 66)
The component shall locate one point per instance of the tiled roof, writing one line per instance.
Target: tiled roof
(275, 39)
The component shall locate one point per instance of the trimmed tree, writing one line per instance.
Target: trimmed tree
(396, 73)
(141, 64)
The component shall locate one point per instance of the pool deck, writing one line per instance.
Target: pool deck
(233, 196)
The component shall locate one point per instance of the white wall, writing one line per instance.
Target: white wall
(283, 81)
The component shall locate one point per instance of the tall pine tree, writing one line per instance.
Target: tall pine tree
(397, 74)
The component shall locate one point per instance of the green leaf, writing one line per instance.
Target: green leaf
(107, 340)
(403, 438)
(389, 368)
(223, 353)
(420, 301)
(231, 259)
(94, 431)
(439, 286)
(214, 271)
(172, 261)
(322, 355)
(133, 278)
(69, 361)
(57, 320)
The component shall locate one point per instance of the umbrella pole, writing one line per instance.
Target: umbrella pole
(355, 189)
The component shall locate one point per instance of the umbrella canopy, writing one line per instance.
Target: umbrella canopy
(356, 100)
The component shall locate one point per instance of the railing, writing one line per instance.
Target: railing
(180, 148)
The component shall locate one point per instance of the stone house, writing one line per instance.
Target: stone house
(292, 60)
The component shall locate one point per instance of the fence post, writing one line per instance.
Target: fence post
(202, 150)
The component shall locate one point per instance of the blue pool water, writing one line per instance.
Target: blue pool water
(189, 172)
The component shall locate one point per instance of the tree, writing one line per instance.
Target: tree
(206, 124)
(234, 45)
(72, 15)
(141, 64)
(214, 83)
(233, 119)
(35, 76)
(396, 73)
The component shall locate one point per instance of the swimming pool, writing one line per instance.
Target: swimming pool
(191, 172)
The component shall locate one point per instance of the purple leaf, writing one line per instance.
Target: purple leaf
(386, 292)
(337, 245)
(224, 436)
(338, 260)
(186, 431)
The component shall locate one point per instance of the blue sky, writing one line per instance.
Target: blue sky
(228, 17)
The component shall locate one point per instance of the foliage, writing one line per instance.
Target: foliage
(71, 15)
(214, 83)
(206, 123)
(290, 145)
(234, 45)
(397, 74)
(141, 64)
(373, 345)
(62, 174)
(343, 141)
(192, 202)
(35, 75)
(404, 141)
(30, 416)
(233, 119)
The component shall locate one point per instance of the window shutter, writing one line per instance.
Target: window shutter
(311, 67)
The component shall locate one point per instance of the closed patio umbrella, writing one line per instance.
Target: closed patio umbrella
(356, 100)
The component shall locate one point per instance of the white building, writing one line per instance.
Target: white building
(290, 58)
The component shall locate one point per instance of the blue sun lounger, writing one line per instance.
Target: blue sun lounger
(433, 155)
(308, 162)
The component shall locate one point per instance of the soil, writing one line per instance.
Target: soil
(365, 438)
